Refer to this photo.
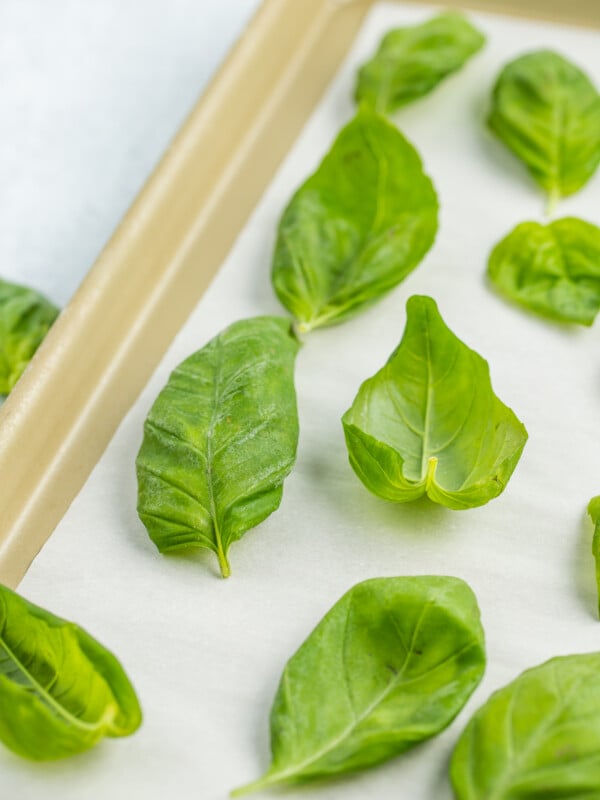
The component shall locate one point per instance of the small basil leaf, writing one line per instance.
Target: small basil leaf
(552, 269)
(220, 439)
(25, 318)
(429, 423)
(547, 111)
(60, 690)
(357, 227)
(410, 62)
(594, 512)
(538, 737)
(389, 666)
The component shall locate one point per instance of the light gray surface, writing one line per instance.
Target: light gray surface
(91, 92)
(206, 654)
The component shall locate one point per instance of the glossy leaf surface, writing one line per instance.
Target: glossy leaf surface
(357, 227)
(60, 690)
(546, 110)
(389, 666)
(538, 737)
(25, 318)
(594, 512)
(551, 269)
(429, 423)
(220, 439)
(412, 61)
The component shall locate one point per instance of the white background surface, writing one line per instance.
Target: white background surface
(91, 93)
(206, 654)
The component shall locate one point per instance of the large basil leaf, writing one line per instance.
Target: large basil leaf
(552, 269)
(25, 317)
(429, 423)
(547, 111)
(60, 690)
(538, 737)
(594, 512)
(220, 439)
(410, 62)
(390, 665)
(357, 227)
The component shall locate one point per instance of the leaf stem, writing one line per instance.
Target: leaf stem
(316, 322)
(430, 474)
(223, 562)
(299, 329)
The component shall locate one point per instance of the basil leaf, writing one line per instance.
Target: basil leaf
(551, 269)
(357, 227)
(594, 512)
(60, 690)
(538, 737)
(25, 318)
(410, 62)
(547, 111)
(429, 423)
(220, 439)
(389, 666)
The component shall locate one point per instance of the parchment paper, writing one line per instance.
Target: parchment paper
(206, 654)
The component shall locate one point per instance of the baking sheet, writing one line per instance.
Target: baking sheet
(206, 654)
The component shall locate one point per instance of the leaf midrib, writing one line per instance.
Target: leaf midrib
(60, 711)
(297, 768)
(276, 777)
(345, 272)
(209, 449)
(559, 113)
(428, 404)
(526, 751)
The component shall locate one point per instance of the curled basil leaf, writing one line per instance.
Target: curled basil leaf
(429, 423)
(389, 666)
(410, 62)
(551, 269)
(538, 737)
(547, 111)
(357, 227)
(25, 318)
(220, 439)
(594, 512)
(60, 690)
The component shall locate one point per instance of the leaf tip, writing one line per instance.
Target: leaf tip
(421, 302)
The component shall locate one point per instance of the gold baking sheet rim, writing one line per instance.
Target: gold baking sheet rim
(108, 340)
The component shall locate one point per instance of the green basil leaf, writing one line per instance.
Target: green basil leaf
(594, 512)
(538, 737)
(220, 439)
(25, 318)
(429, 423)
(547, 111)
(410, 62)
(357, 227)
(60, 690)
(389, 666)
(551, 269)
